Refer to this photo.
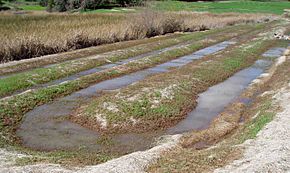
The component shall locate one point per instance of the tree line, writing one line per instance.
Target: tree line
(69, 5)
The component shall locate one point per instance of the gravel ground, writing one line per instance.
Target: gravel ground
(270, 151)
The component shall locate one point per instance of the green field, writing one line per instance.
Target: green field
(276, 7)
(32, 7)
(113, 10)
(24, 5)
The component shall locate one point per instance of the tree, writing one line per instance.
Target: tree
(60, 5)
(125, 3)
(65, 5)
(91, 4)
(1, 4)
(50, 4)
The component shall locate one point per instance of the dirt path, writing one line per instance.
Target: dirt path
(270, 151)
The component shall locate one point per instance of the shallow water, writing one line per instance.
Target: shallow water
(215, 99)
(44, 128)
(278, 51)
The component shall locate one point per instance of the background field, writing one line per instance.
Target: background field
(275, 7)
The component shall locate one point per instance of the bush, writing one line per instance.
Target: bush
(43, 3)
(125, 3)
(64, 5)
(171, 25)
(91, 4)
(2, 8)
(60, 5)
(74, 4)
(1, 4)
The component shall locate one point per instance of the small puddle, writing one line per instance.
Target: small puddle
(45, 127)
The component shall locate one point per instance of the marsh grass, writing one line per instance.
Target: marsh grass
(29, 36)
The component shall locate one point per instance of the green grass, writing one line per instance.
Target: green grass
(32, 7)
(24, 5)
(264, 117)
(113, 10)
(275, 7)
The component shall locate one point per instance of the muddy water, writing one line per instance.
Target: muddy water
(46, 127)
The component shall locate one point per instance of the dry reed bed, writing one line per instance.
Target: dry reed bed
(29, 36)
(26, 64)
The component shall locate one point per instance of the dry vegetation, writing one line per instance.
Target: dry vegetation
(36, 35)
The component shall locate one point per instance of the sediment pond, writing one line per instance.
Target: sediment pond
(46, 127)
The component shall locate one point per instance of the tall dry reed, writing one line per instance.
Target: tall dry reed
(29, 36)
